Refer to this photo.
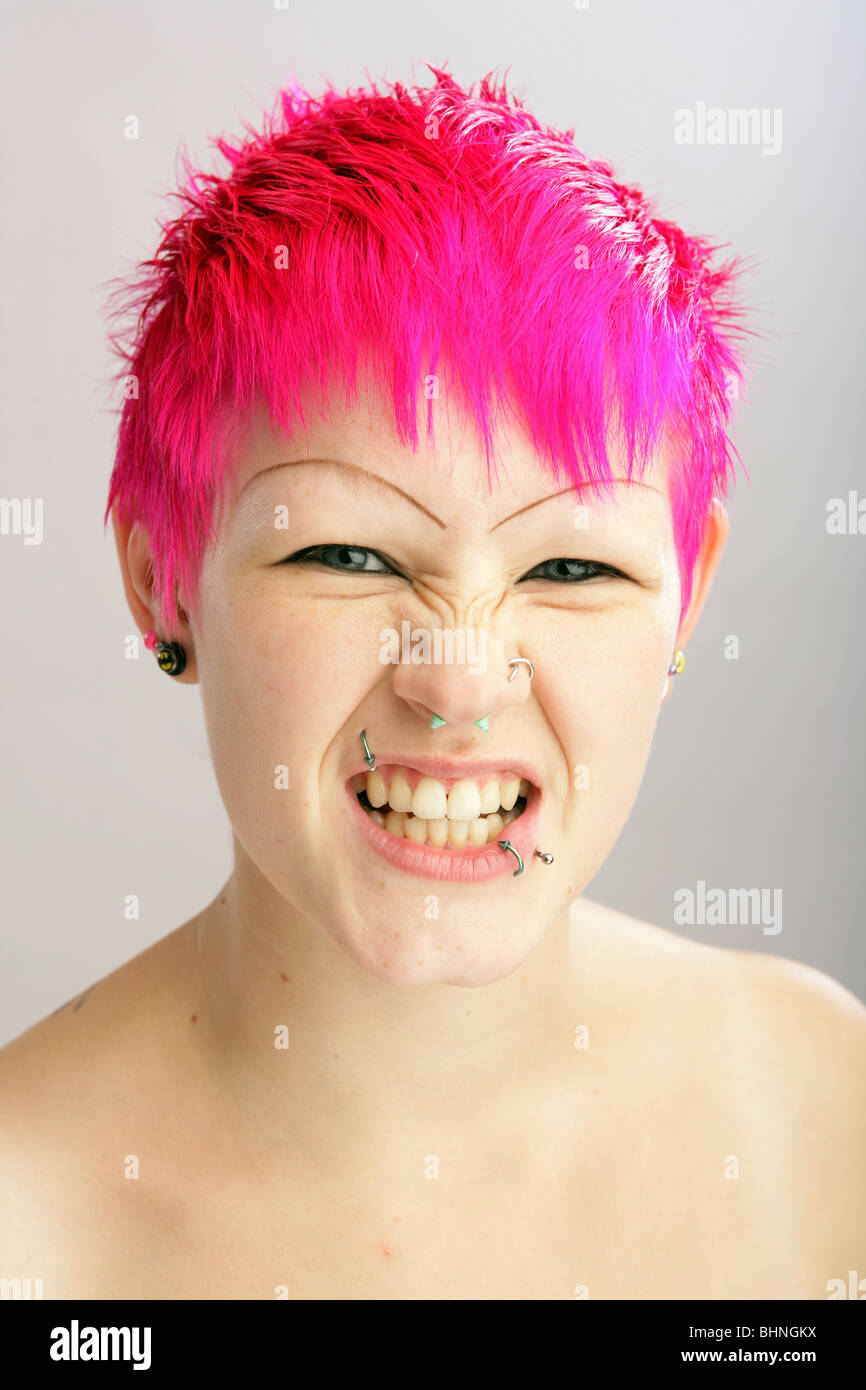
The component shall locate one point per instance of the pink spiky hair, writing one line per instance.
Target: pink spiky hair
(421, 220)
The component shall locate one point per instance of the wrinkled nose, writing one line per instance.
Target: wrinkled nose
(463, 694)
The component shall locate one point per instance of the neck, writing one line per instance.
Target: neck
(366, 1058)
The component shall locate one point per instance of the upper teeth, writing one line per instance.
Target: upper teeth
(466, 800)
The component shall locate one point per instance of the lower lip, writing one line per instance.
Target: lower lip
(474, 865)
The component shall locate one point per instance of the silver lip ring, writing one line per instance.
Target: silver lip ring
(514, 662)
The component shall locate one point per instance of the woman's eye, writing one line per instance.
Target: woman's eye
(358, 559)
(571, 571)
(346, 559)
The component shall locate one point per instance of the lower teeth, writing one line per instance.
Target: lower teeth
(443, 834)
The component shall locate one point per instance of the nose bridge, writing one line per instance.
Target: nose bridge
(458, 669)
(460, 675)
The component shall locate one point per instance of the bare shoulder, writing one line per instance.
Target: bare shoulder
(781, 1041)
(96, 1034)
(813, 1010)
(74, 1089)
(790, 1020)
(801, 1007)
(812, 1034)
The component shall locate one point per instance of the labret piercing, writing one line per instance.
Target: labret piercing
(505, 845)
(508, 848)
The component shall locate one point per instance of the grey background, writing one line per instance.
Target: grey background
(756, 773)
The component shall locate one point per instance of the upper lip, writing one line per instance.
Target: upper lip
(446, 768)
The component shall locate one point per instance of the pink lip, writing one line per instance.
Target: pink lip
(474, 865)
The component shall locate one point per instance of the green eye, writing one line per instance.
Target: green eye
(359, 559)
(563, 571)
(345, 559)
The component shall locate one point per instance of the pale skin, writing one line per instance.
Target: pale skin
(432, 1131)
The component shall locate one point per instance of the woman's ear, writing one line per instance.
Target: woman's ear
(715, 535)
(136, 568)
(712, 545)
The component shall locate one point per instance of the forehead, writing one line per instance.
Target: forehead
(446, 473)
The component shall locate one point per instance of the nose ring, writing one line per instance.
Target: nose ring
(437, 721)
(515, 660)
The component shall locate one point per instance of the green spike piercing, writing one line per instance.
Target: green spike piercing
(437, 721)
(507, 847)
(369, 758)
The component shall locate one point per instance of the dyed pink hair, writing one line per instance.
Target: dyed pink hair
(419, 220)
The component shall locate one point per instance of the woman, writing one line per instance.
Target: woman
(434, 609)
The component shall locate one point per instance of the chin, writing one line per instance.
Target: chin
(438, 951)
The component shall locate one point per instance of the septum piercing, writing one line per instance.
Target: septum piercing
(505, 845)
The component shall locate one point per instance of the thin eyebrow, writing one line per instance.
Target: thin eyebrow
(356, 468)
(392, 487)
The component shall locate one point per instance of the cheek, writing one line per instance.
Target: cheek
(278, 681)
(608, 680)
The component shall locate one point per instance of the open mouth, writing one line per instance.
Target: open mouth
(452, 814)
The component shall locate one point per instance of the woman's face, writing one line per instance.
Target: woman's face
(294, 661)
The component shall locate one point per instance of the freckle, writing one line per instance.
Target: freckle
(395, 1218)
(284, 977)
(595, 1091)
(222, 902)
(194, 1018)
(468, 1012)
